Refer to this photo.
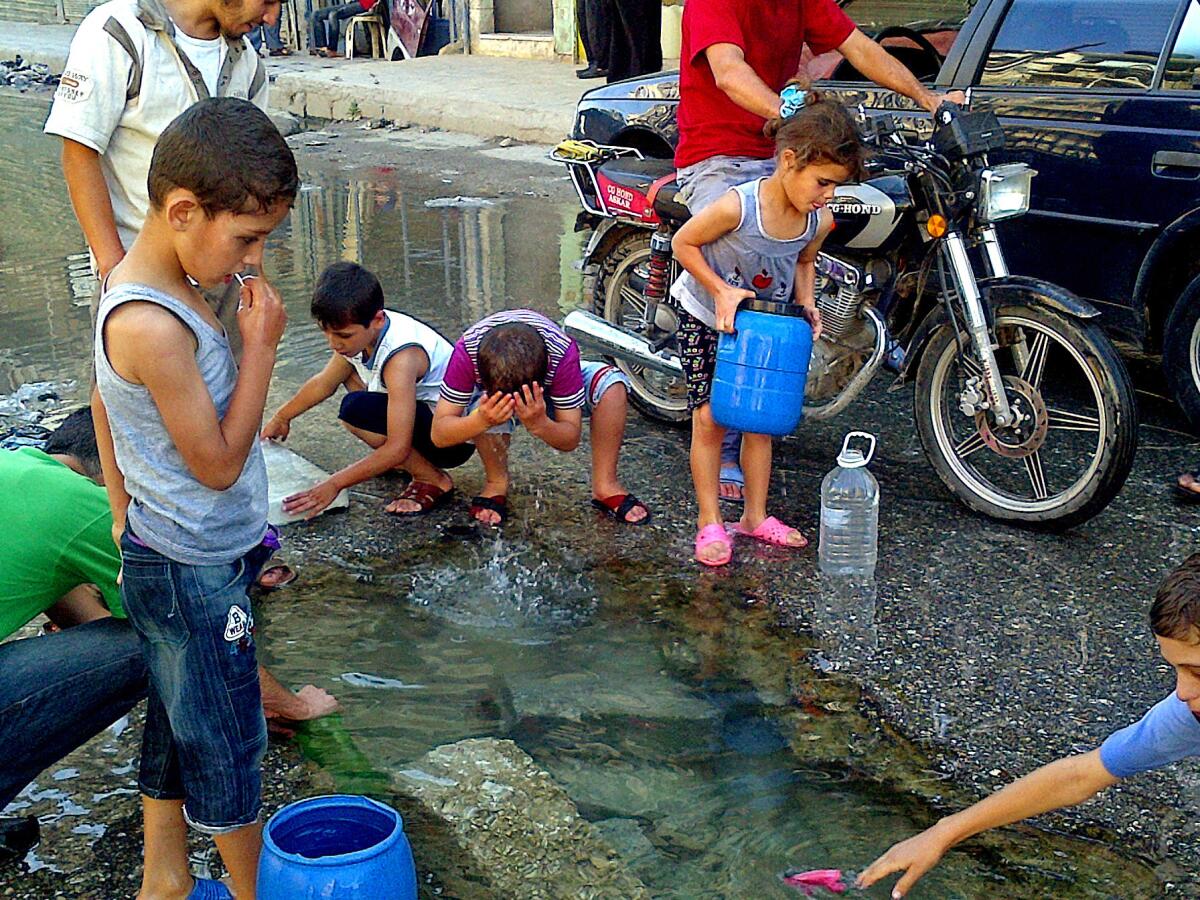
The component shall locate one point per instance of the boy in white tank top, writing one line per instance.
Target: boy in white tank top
(392, 367)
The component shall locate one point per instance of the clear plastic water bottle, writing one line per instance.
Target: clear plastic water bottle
(850, 513)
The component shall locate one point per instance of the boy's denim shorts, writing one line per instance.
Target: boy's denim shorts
(205, 733)
(598, 377)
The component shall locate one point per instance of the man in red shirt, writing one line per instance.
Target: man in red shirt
(735, 58)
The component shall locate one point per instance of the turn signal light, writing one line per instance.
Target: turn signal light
(936, 226)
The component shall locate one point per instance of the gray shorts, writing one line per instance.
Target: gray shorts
(710, 178)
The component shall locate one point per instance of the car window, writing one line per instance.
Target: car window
(1183, 65)
(1110, 44)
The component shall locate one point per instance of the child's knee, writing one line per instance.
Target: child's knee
(704, 425)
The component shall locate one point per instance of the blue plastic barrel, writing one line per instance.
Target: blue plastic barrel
(758, 385)
(336, 848)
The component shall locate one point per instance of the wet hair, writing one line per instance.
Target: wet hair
(228, 153)
(1175, 613)
(76, 436)
(510, 356)
(820, 132)
(346, 294)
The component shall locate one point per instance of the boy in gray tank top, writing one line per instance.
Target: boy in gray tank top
(177, 427)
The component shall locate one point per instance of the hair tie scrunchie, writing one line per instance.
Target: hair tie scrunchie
(791, 100)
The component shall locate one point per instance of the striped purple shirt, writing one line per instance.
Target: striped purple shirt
(564, 379)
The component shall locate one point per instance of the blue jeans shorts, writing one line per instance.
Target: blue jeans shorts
(205, 732)
(598, 377)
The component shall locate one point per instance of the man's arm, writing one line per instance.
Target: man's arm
(1064, 782)
(741, 83)
(885, 70)
(400, 375)
(316, 390)
(93, 206)
(310, 702)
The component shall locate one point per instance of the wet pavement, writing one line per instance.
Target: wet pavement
(982, 651)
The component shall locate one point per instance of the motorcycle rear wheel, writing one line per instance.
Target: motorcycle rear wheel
(1072, 455)
(617, 297)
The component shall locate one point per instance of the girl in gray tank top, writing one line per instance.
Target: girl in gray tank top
(170, 510)
(760, 240)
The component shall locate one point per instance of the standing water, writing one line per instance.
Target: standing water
(850, 513)
(685, 727)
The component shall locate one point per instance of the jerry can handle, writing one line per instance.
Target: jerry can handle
(865, 435)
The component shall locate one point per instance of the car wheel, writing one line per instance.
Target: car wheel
(1181, 352)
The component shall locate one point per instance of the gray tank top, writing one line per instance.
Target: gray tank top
(170, 510)
(746, 257)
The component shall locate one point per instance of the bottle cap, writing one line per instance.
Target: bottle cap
(853, 458)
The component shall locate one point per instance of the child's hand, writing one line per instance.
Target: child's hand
(276, 429)
(727, 301)
(309, 503)
(496, 409)
(531, 405)
(261, 316)
(813, 316)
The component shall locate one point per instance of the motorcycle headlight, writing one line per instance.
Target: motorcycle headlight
(1004, 191)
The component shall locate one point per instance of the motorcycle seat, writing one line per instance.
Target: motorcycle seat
(668, 205)
(646, 176)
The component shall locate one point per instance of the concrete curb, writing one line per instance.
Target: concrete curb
(491, 97)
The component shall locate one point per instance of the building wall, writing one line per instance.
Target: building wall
(46, 11)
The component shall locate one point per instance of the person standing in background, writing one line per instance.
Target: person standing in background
(635, 35)
(594, 17)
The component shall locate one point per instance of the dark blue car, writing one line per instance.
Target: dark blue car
(1102, 97)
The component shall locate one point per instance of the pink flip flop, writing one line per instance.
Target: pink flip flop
(771, 531)
(713, 533)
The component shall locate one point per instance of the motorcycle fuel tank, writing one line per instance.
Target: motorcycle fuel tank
(868, 216)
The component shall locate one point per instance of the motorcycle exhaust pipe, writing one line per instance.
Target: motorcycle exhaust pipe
(620, 343)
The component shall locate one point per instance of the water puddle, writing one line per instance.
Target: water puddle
(699, 741)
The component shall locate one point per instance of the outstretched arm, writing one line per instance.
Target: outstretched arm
(1064, 782)
(885, 70)
(316, 390)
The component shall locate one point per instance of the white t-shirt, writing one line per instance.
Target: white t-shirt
(91, 106)
(206, 56)
(401, 332)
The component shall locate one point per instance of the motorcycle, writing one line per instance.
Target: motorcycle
(1022, 404)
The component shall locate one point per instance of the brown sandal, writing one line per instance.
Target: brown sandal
(428, 496)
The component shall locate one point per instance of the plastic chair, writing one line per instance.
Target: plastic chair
(374, 32)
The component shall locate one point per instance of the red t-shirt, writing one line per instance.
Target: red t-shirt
(772, 35)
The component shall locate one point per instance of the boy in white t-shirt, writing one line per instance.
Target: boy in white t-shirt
(392, 367)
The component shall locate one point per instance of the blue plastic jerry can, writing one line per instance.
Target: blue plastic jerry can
(758, 385)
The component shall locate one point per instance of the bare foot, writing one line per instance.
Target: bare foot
(1188, 482)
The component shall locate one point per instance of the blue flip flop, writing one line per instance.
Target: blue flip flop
(208, 889)
(731, 473)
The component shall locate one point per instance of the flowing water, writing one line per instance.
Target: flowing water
(677, 721)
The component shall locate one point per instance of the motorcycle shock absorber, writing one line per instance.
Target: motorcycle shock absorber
(660, 268)
(655, 291)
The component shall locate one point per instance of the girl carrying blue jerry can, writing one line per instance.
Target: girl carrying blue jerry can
(758, 383)
(336, 848)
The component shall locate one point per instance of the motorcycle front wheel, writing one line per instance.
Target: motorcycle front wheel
(1073, 445)
(617, 298)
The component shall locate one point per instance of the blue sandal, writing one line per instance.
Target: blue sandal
(208, 889)
(731, 473)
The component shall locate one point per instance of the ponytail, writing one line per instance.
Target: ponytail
(817, 128)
